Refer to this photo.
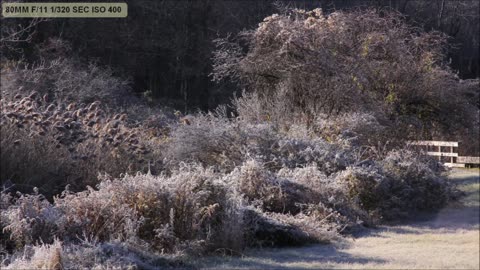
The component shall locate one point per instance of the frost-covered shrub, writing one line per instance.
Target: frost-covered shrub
(360, 129)
(401, 184)
(365, 187)
(252, 108)
(43, 256)
(295, 153)
(309, 176)
(225, 143)
(417, 181)
(354, 128)
(327, 198)
(29, 219)
(371, 131)
(194, 210)
(89, 255)
(189, 208)
(164, 211)
(97, 215)
(213, 141)
(289, 171)
(298, 194)
(262, 187)
(254, 185)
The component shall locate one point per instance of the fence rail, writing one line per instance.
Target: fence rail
(435, 143)
(470, 160)
(446, 149)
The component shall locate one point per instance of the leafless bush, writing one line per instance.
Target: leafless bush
(217, 141)
(357, 61)
(15, 33)
(371, 134)
(252, 108)
(62, 77)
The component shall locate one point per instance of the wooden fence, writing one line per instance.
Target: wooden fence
(446, 153)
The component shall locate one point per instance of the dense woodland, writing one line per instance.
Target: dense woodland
(165, 47)
(197, 128)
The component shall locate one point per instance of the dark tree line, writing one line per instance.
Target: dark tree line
(166, 47)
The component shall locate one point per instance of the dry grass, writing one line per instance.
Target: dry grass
(51, 144)
(447, 240)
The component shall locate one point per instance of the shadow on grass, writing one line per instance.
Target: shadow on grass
(308, 257)
(463, 181)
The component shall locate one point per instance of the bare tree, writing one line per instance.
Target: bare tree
(14, 33)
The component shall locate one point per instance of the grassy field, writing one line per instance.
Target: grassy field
(449, 239)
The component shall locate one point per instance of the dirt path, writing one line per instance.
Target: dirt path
(449, 239)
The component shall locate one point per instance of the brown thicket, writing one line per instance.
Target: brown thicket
(313, 63)
(94, 177)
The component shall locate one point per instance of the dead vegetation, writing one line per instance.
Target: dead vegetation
(113, 177)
